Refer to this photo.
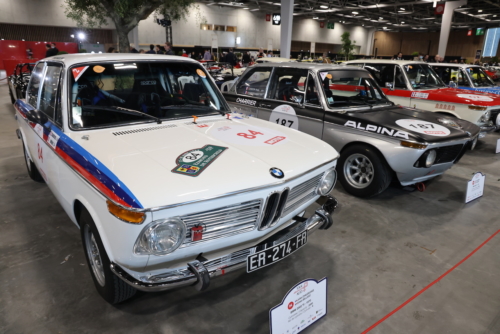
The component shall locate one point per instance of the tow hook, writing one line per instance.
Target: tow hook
(201, 273)
(420, 186)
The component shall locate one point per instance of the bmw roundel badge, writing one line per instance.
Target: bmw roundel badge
(277, 173)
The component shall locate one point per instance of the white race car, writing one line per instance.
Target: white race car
(167, 187)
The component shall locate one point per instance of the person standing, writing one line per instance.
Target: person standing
(246, 59)
(426, 58)
(50, 51)
(111, 49)
(231, 58)
(133, 49)
(261, 53)
(53, 47)
(168, 49)
(399, 56)
(151, 50)
(207, 55)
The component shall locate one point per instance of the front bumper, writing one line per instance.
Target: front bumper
(201, 271)
(487, 127)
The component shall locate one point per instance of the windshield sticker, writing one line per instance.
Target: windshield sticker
(248, 135)
(246, 101)
(378, 129)
(476, 97)
(427, 128)
(78, 71)
(420, 95)
(195, 161)
(98, 69)
(53, 139)
(323, 75)
(201, 73)
(285, 115)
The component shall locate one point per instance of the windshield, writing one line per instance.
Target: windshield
(113, 94)
(350, 89)
(479, 77)
(422, 76)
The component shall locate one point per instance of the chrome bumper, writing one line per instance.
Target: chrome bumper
(200, 271)
(488, 127)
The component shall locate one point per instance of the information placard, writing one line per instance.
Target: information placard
(302, 306)
(475, 187)
(215, 42)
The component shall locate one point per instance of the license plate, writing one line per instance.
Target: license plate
(276, 253)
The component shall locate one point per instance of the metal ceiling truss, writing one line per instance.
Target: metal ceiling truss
(387, 15)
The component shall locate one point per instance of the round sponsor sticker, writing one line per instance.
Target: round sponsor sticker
(248, 135)
(427, 128)
(192, 156)
(201, 73)
(285, 115)
(98, 69)
(476, 97)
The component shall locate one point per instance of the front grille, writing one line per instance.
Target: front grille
(223, 222)
(270, 210)
(151, 128)
(301, 194)
(447, 153)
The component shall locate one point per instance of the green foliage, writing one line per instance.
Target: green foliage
(62, 53)
(415, 54)
(347, 46)
(82, 51)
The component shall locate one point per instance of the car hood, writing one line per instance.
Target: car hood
(455, 95)
(406, 124)
(152, 160)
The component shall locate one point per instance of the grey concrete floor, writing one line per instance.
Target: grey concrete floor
(379, 253)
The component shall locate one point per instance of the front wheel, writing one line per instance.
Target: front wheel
(363, 171)
(109, 286)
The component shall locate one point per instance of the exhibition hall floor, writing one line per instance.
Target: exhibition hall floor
(382, 257)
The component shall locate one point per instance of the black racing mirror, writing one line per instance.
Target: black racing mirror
(37, 117)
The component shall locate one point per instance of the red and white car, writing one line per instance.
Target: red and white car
(415, 84)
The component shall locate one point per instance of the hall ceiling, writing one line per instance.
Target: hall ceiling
(388, 15)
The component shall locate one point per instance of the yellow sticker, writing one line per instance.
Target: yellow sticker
(328, 76)
(201, 73)
(98, 69)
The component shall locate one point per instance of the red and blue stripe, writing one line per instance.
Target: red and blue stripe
(88, 166)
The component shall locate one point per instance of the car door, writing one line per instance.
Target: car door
(248, 93)
(392, 80)
(293, 100)
(45, 97)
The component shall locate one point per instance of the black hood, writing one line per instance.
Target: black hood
(385, 121)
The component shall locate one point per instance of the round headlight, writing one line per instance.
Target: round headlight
(486, 116)
(431, 157)
(327, 182)
(161, 237)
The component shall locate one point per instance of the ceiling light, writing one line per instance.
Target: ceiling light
(81, 35)
(363, 25)
(254, 10)
(402, 8)
(315, 18)
(381, 18)
(494, 16)
(480, 11)
(384, 27)
(402, 22)
(355, 13)
(245, 8)
(323, 6)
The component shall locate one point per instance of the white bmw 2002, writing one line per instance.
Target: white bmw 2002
(168, 187)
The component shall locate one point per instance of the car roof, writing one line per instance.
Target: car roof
(309, 66)
(79, 58)
(274, 60)
(384, 61)
(453, 64)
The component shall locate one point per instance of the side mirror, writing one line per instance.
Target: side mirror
(37, 117)
(389, 85)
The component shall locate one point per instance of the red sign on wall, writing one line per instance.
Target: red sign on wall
(469, 33)
(268, 17)
(439, 10)
(322, 24)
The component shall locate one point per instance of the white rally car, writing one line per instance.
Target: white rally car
(167, 188)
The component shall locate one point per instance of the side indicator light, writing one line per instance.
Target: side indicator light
(413, 145)
(124, 214)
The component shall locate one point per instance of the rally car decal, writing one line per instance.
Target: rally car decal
(377, 129)
(88, 166)
(195, 161)
(482, 90)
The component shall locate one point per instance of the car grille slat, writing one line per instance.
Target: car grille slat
(301, 194)
(446, 154)
(223, 222)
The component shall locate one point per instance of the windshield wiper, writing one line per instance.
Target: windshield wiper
(125, 111)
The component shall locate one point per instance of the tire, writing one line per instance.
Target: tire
(109, 286)
(31, 167)
(11, 96)
(376, 175)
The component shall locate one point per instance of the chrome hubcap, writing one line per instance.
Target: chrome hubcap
(94, 255)
(358, 171)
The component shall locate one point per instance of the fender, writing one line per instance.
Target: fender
(447, 112)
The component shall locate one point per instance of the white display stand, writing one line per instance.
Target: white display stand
(498, 146)
(475, 187)
(302, 306)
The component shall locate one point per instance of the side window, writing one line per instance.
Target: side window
(462, 78)
(49, 90)
(399, 79)
(382, 73)
(312, 94)
(36, 77)
(254, 83)
(288, 84)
